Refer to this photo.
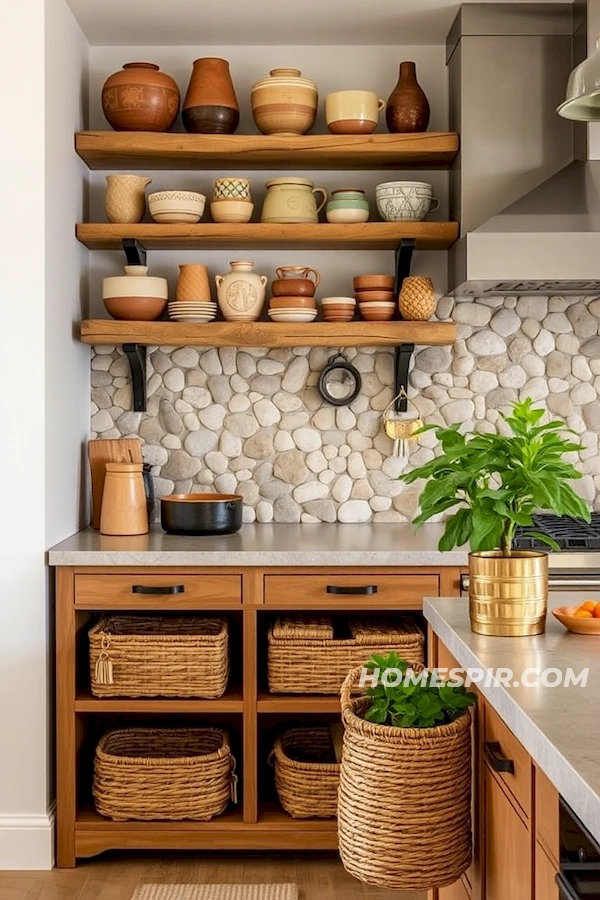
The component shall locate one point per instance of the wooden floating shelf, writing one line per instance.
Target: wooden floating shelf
(230, 702)
(259, 236)
(135, 149)
(267, 334)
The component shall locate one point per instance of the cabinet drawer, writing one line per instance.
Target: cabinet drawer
(164, 591)
(348, 591)
(508, 747)
(547, 815)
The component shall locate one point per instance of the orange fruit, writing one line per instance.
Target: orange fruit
(583, 614)
(597, 611)
(589, 605)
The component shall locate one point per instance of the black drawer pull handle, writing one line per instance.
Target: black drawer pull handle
(565, 889)
(498, 762)
(367, 589)
(173, 589)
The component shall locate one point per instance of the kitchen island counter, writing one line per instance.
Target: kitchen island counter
(558, 726)
(369, 544)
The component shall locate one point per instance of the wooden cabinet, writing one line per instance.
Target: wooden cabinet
(456, 891)
(545, 872)
(251, 597)
(502, 749)
(507, 862)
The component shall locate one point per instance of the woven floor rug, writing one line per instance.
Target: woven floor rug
(216, 892)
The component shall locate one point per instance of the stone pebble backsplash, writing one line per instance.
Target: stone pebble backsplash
(252, 421)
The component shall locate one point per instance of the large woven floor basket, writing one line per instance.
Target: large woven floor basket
(404, 810)
(159, 656)
(167, 773)
(307, 775)
(307, 654)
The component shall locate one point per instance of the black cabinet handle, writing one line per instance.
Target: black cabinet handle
(566, 890)
(172, 589)
(367, 589)
(498, 762)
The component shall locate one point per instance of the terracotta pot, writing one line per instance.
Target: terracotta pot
(284, 103)
(210, 105)
(193, 283)
(407, 108)
(241, 292)
(140, 98)
(124, 509)
(292, 302)
(125, 198)
(294, 287)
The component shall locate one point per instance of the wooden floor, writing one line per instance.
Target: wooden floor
(115, 877)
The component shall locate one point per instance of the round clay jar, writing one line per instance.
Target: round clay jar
(140, 98)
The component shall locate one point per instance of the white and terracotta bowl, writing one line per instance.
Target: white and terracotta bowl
(176, 206)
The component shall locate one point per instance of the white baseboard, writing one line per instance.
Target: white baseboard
(27, 842)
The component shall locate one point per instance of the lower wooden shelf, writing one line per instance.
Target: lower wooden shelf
(267, 334)
(231, 701)
(297, 703)
(274, 830)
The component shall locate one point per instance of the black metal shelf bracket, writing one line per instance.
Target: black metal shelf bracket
(135, 253)
(136, 355)
(403, 353)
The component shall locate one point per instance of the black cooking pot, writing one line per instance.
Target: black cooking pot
(201, 513)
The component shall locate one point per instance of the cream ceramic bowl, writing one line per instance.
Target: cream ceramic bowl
(231, 210)
(328, 300)
(176, 206)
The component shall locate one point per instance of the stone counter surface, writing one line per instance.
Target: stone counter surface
(369, 544)
(558, 726)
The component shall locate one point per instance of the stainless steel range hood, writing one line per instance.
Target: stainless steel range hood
(529, 213)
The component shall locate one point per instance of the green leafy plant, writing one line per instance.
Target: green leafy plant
(413, 703)
(499, 481)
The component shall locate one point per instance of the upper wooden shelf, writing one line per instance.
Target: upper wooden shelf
(258, 236)
(136, 149)
(267, 334)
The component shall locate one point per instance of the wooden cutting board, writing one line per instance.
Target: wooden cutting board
(101, 452)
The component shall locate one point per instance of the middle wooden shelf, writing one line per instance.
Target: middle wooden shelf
(261, 236)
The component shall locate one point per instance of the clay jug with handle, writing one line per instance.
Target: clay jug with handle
(210, 105)
(407, 108)
(124, 504)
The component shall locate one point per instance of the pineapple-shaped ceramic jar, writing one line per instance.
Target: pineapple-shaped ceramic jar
(417, 298)
(241, 292)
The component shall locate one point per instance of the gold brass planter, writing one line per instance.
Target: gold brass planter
(508, 595)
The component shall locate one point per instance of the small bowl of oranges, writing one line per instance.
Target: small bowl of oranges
(583, 619)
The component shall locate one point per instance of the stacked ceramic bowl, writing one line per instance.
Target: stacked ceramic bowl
(292, 309)
(176, 206)
(293, 297)
(231, 200)
(375, 297)
(192, 310)
(338, 309)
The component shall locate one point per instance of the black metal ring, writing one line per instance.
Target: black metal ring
(330, 367)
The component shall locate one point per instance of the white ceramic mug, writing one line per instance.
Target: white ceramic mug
(352, 112)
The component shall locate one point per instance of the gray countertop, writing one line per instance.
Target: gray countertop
(558, 726)
(371, 544)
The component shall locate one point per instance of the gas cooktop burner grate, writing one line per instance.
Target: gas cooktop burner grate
(569, 534)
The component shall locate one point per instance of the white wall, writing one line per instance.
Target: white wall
(26, 838)
(332, 68)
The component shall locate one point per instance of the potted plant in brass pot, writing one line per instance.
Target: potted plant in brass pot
(497, 482)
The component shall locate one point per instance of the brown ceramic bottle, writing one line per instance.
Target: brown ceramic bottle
(407, 108)
(140, 98)
(210, 105)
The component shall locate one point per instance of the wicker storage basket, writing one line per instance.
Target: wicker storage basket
(166, 773)
(159, 656)
(305, 656)
(404, 809)
(307, 775)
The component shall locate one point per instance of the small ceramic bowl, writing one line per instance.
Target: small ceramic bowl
(336, 300)
(293, 287)
(292, 303)
(231, 188)
(135, 309)
(377, 312)
(374, 296)
(231, 210)
(346, 215)
(176, 206)
(576, 624)
(374, 282)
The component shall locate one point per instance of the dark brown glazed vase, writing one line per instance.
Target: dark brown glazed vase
(140, 98)
(210, 105)
(407, 108)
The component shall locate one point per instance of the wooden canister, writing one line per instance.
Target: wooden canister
(124, 509)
